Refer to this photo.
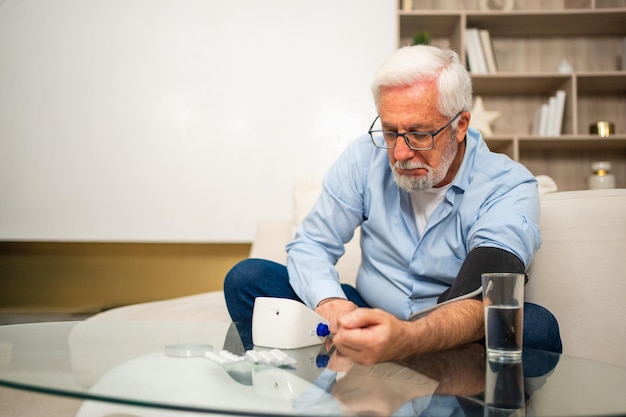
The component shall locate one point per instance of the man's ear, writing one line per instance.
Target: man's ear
(462, 126)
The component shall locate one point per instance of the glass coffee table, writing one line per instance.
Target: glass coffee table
(150, 368)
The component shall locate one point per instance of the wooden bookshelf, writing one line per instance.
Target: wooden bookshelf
(528, 45)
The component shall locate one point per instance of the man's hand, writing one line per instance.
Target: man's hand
(369, 336)
(333, 309)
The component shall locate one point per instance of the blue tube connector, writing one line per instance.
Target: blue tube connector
(323, 330)
(321, 361)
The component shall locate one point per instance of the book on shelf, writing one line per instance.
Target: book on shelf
(551, 117)
(474, 52)
(490, 59)
(556, 123)
(623, 55)
(536, 128)
(548, 119)
(543, 121)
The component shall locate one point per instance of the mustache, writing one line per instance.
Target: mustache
(411, 165)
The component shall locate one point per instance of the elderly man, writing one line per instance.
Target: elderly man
(436, 210)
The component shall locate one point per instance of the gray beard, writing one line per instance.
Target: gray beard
(433, 176)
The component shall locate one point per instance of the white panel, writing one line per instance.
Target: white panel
(176, 120)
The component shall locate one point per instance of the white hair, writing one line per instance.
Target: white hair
(423, 63)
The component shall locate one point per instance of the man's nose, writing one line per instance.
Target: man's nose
(402, 152)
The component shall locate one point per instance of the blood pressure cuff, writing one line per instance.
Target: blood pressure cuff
(480, 261)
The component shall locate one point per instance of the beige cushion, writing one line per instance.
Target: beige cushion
(306, 190)
(579, 273)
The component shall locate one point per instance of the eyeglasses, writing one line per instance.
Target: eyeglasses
(418, 141)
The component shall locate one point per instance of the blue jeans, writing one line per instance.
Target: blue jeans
(253, 278)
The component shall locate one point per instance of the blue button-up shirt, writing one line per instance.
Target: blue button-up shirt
(492, 202)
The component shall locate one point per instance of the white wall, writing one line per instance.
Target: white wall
(176, 120)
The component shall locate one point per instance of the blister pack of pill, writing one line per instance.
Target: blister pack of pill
(275, 357)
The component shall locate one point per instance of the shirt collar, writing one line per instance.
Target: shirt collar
(461, 180)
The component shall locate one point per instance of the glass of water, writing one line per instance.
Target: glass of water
(503, 298)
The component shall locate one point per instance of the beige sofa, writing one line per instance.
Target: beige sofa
(579, 273)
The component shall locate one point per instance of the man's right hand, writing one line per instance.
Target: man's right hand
(332, 309)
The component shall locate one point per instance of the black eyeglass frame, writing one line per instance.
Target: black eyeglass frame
(432, 135)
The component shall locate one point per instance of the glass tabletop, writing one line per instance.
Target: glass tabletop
(117, 366)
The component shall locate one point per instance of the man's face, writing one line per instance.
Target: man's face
(414, 109)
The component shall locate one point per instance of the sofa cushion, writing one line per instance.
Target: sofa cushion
(579, 273)
(306, 190)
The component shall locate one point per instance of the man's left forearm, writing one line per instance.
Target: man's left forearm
(446, 327)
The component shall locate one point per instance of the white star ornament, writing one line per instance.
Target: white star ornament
(481, 119)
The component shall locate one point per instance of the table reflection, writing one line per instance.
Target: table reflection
(459, 381)
(456, 382)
